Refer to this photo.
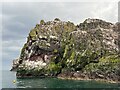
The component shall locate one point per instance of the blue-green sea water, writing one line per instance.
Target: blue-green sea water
(9, 80)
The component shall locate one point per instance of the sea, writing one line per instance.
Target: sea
(9, 80)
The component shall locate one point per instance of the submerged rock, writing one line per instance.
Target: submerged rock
(59, 48)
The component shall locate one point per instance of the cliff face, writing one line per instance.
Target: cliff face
(59, 48)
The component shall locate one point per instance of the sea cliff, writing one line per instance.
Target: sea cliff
(62, 49)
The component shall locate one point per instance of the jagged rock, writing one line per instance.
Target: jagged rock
(15, 64)
(59, 48)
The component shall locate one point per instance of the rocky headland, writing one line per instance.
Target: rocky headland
(88, 51)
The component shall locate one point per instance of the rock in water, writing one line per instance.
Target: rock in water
(56, 48)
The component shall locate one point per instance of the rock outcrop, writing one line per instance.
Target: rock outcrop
(59, 48)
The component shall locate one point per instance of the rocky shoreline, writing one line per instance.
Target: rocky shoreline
(88, 51)
(72, 78)
(87, 79)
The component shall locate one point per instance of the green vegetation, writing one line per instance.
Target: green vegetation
(32, 34)
(53, 69)
(23, 51)
(106, 64)
(42, 22)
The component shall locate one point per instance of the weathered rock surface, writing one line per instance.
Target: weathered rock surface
(59, 48)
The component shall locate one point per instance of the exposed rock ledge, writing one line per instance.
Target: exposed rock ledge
(57, 48)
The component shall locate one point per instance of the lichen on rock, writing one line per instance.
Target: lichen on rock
(59, 48)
